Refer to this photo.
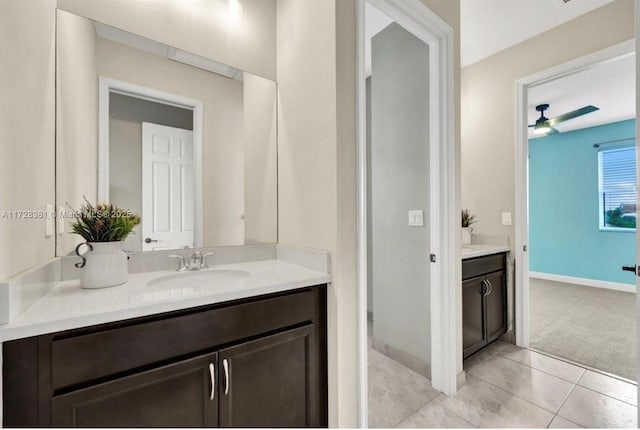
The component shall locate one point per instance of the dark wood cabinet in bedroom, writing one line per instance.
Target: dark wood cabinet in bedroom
(258, 362)
(484, 301)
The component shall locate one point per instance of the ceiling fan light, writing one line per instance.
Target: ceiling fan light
(542, 128)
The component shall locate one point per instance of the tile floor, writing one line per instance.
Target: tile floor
(506, 387)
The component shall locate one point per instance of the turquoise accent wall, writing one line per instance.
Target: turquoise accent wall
(564, 236)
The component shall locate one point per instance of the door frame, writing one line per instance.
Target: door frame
(637, 46)
(416, 17)
(522, 169)
(108, 85)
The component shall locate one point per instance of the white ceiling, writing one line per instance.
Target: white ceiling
(490, 26)
(610, 86)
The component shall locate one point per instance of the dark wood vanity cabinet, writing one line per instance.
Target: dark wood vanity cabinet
(175, 395)
(257, 362)
(269, 381)
(484, 301)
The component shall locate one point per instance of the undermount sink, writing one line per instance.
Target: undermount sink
(199, 279)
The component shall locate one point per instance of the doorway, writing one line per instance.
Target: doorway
(576, 225)
(136, 124)
(406, 213)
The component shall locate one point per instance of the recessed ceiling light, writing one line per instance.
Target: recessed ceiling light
(235, 10)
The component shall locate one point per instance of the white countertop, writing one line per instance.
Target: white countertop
(472, 251)
(67, 306)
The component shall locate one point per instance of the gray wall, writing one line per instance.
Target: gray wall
(400, 182)
(126, 115)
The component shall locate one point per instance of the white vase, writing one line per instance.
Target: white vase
(104, 264)
(465, 235)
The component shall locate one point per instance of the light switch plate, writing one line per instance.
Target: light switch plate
(416, 218)
(61, 214)
(506, 218)
(48, 221)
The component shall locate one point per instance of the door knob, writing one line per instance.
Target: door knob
(633, 269)
(149, 240)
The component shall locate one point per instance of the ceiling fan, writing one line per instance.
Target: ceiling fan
(544, 125)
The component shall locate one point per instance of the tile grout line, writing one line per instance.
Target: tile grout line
(458, 416)
(563, 402)
(577, 383)
(547, 373)
(426, 403)
(431, 401)
(419, 407)
(517, 396)
(606, 395)
(583, 366)
(416, 410)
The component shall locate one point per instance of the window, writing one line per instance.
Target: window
(617, 171)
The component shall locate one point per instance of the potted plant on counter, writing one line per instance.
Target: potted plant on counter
(467, 220)
(103, 227)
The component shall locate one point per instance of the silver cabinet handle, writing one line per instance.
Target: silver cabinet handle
(225, 365)
(485, 287)
(490, 288)
(212, 374)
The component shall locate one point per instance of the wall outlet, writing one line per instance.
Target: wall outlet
(416, 218)
(48, 221)
(506, 218)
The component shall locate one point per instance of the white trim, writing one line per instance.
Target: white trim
(522, 166)
(595, 283)
(637, 33)
(108, 85)
(414, 16)
(616, 229)
(361, 214)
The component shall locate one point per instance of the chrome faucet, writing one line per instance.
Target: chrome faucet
(196, 262)
(182, 266)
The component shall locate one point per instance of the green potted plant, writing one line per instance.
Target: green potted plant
(103, 227)
(467, 220)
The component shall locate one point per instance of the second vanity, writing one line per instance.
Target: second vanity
(240, 345)
(484, 296)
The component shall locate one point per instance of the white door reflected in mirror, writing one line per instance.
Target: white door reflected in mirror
(167, 188)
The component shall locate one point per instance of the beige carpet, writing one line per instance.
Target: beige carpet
(591, 326)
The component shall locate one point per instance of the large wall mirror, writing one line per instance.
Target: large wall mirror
(188, 143)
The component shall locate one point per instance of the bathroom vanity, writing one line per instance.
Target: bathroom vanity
(484, 296)
(250, 353)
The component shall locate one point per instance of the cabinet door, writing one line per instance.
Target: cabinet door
(472, 315)
(496, 305)
(175, 395)
(270, 382)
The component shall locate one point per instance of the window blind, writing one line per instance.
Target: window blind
(618, 177)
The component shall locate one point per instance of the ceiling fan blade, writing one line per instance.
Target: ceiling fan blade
(573, 114)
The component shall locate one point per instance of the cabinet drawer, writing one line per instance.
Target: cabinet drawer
(482, 265)
(90, 356)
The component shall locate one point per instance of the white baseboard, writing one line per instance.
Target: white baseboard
(618, 286)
